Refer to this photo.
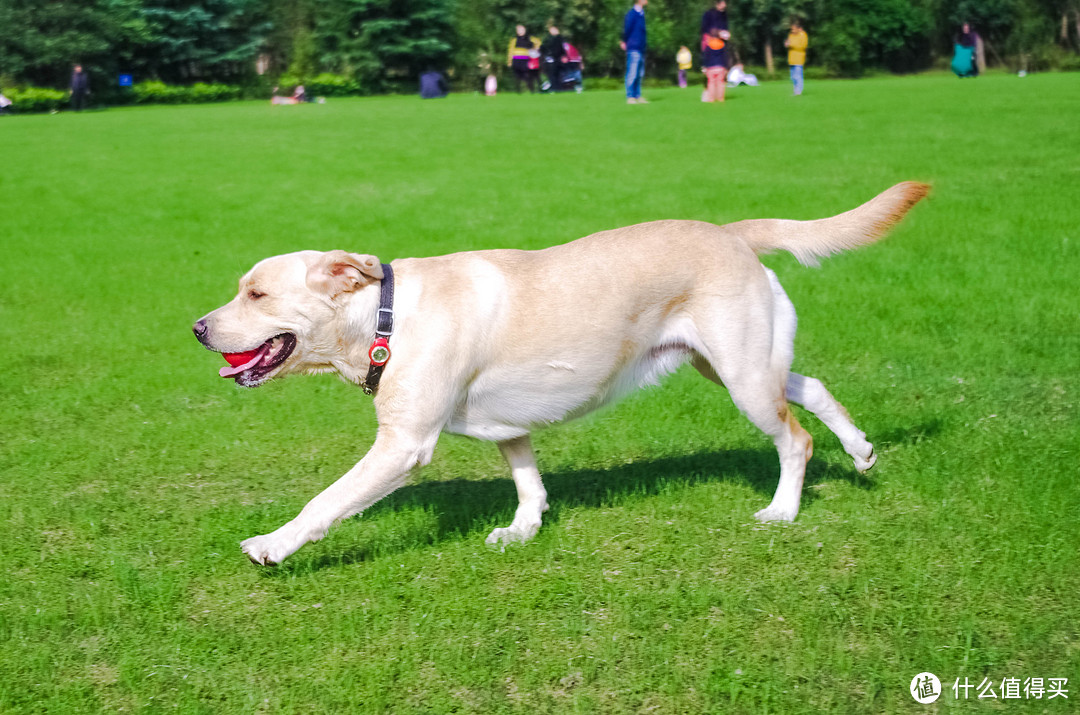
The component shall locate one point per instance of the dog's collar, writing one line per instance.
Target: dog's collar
(379, 352)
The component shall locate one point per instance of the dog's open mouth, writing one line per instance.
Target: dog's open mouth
(253, 367)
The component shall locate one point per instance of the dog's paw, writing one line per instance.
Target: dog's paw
(266, 550)
(513, 534)
(863, 465)
(777, 513)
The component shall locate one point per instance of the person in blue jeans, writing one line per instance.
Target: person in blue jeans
(633, 43)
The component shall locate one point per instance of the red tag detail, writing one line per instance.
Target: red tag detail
(379, 352)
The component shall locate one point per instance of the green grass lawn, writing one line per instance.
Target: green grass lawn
(130, 471)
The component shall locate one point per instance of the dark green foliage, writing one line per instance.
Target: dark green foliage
(873, 33)
(36, 99)
(760, 22)
(384, 44)
(160, 93)
(332, 85)
(172, 40)
(157, 93)
(217, 39)
(325, 84)
(40, 41)
(380, 41)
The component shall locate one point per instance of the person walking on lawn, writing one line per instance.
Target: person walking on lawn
(80, 88)
(796, 43)
(634, 44)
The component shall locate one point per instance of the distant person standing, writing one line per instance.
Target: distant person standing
(634, 44)
(685, 60)
(518, 58)
(796, 42)
(553, 54)
(963, 61)
(714, 54)
(80, 88)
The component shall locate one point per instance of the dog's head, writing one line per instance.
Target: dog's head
(292, 314)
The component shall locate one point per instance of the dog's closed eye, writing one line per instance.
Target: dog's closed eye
(255, 294)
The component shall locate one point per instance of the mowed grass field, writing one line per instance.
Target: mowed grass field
(131, 471)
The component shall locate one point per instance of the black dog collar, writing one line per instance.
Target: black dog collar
(379, 352)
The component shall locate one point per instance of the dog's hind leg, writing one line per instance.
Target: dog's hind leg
(808, 392)
(749, 351)
(763, 402)
(532, 497)
(812, 395)
(759, 395)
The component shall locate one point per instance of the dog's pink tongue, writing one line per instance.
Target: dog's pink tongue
(238, 362)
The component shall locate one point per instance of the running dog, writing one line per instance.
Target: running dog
(495, 344)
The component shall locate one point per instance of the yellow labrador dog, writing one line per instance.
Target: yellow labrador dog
(494, 344)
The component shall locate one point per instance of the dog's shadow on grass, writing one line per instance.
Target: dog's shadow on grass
(912, 436)
(468, 507)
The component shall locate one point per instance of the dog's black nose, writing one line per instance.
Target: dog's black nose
(200, 329)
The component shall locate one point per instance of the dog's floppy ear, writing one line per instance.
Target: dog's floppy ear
(338, 272)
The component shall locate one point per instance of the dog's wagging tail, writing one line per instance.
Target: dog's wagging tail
(809, 241)
(495, 344)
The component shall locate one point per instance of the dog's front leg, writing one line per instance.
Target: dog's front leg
(381, 471)
(532, 497)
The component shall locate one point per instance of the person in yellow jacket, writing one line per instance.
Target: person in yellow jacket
(685, 61)
(517, 58)
(796, 43)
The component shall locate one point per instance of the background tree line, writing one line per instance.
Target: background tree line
(383, 43)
